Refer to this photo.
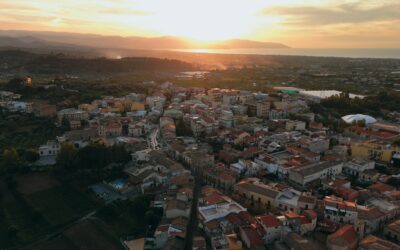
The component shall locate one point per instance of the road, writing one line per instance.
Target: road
(152, 139)
(193, 220)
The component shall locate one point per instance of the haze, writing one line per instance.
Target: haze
(301, 24)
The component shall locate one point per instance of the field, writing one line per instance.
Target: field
(84, 235)
(32, 183)
(37, 204)
(19, 223)
(59, 205)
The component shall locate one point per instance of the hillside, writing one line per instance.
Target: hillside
(58, 39)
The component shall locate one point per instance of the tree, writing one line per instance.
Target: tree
(120, 154)
(151, 218)
(11, 159)
(67, 157)
(94, 156)
(65, 124)
(31, 156)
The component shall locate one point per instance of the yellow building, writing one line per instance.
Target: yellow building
(376, 150)
(136, 106)
(257, 192)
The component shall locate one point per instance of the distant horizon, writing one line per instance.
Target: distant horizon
(187, 39)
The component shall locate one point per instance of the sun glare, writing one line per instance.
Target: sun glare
(206, 20)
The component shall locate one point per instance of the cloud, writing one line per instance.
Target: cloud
(118, 11)
(339, 14)
(14, 7)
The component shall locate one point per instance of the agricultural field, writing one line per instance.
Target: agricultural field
(33, 205)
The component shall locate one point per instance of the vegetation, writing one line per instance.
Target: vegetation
(59, 205)
(131, 218)
(93, 156)
(24, 131)
(30, 214)
(375, 105)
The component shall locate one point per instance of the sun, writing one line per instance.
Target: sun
(206, 20)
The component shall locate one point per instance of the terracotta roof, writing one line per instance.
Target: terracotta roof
(311, 214)
(163, 228)
(247, 217)
(214, 199)
(381, 187)
(259, 189)
(370, 214)
(374, 243)
(395, 226)
(234, 219)
(212, 224)
(253, 236)
(226, 177)
(344, 236)
(367, 132)
(291, 215)
(307, 199)
(269, 221)
(304, 220)
(176, 204)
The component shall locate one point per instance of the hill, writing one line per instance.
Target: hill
(39, 39)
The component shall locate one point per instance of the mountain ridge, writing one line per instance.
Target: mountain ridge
(51, 38)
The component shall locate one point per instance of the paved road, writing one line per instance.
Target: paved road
(193, 220)
(152, 139)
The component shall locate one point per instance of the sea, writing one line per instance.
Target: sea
(393, 53)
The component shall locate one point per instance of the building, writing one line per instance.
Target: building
(257, 192)
(72, 114)
(316, 145)
(372, 242)
(51, 148)
(277, 114)
(374, 150)
(258, 108)
(357, 166)
(340, 211)
(392, 231)
(295, 125)
(219, 210)
(315, 172)
(272, 227)
(177, 208)
(111, 129)
(345, 238)
(252, 238)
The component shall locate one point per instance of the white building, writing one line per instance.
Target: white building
(51, 148)
(217, 211)
(72, 114)
(315, 172)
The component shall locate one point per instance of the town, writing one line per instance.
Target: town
(206, 168)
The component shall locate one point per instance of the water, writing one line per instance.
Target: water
(353, 53)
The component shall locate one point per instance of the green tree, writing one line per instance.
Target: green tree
(11, 159)
(94, 156)
(31, 156)
(67, 157)
(120, 154)
(151, 218)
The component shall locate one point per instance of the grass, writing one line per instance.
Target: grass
(60, 204)
(28, 216)
(84, 235)
(19, 223)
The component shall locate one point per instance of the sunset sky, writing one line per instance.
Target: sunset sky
(297, 23)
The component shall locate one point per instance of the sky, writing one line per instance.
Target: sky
(297, 23)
